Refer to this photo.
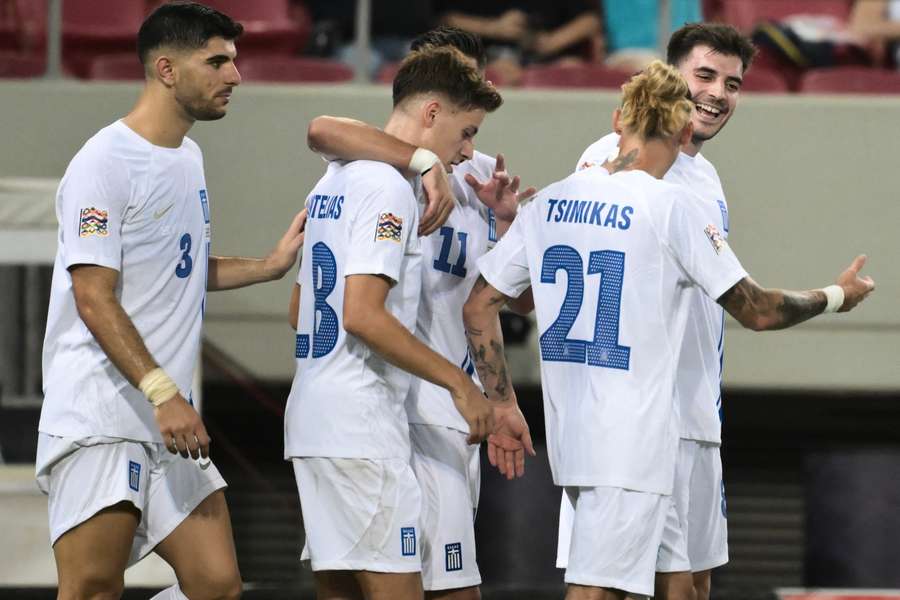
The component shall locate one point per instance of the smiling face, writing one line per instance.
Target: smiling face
(204, 79)
(715, 82)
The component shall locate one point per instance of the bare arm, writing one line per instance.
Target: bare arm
(230, 272)
(95, 298)
(580, 28)
(512, 438)
(294, 307)
(366, 317)
(349, 139)
(869, 20)
(763, 309)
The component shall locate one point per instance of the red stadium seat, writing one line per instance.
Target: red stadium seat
(745, 14)
(116, 67)
(850, 80)
(95, 27)
(288, 69)
(23, 26)
(14, 65)
(761, 79)
(268, 25)
(583, 76)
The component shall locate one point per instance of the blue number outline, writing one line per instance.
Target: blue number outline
(186, 263)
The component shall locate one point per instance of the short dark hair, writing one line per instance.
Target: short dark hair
(185, 26)
(443, 71)
(723, 39)
(466, 42)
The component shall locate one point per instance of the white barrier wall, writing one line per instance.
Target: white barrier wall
(810, 183)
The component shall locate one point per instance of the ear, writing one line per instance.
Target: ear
(430, 111)
(686, 134)
(616, 121)
(164, 70)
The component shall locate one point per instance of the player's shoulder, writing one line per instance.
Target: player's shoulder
(112, 152)
(703, 165)
(597, 153)
(376, 177)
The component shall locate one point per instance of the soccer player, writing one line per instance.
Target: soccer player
(446, 467)
(609, 254)
(123, 330)
(713, 59)
(358, 292)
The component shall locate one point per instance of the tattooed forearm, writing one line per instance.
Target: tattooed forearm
(621, 163)
(486, 340)
(762, 309)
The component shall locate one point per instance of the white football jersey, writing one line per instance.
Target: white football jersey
(346, 401)
(699, 378)
(608, 258)
(142, 210)
(448, 274)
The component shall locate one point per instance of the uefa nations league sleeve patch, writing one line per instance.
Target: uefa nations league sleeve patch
(389, 227)
(93, 221)
(715, 237)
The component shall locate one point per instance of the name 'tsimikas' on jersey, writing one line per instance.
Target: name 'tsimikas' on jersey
(345, 400)
(609, 258)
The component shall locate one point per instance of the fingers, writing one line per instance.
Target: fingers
(858, 263)
(473, 182)
(203, 441)
(492, 453)
(514, 185)
(501, 163)
(527, 194)
(529, 445)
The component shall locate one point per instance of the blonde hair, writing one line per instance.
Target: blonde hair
(656, 102)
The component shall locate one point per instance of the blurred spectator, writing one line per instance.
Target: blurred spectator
(632, 29)
(518, 33)
(394, 24)
(877, 23)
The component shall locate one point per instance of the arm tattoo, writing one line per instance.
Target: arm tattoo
(486, 345)
(762, 309)
(621, 163)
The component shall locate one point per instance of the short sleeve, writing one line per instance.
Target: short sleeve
(505, 267)
(699, 246)
(383, 230)
(92, 202)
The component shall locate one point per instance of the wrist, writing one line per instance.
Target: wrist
(158, 387)
(422, 161)
(834, 296)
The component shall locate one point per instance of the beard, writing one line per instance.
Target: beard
(200, 109)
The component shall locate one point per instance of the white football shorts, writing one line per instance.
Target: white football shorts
(359, 514)
(83, 476)
(449, 474)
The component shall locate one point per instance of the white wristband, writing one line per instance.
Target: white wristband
(158, 387)
(835, 296)
(422, 160)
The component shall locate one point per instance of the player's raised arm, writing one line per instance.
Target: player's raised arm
(230, 272)
(762, 309)
(94, 289)
(366, 317)
(348, 139)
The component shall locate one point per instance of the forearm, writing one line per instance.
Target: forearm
(386, 336)
(230, 272)
(349, 139)
(117, 336)
(478, 25)
(763, 309)
(482, 321)
(578, 29)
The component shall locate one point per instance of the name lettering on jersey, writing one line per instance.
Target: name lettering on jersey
(590, 212)
(389, 227)
(715, 237)
(93, 221)
(322, 206)
(453, 557)
(408, 541)
(134, 475)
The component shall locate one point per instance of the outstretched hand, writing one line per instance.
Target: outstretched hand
(856, 288)
(501, 192)
(283, 257)
(510, 441)
(439, 199)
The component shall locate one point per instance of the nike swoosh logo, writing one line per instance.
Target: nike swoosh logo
(158, 214)
(204, 465)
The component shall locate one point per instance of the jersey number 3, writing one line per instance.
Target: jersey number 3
(604, 350)
(324, 278)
